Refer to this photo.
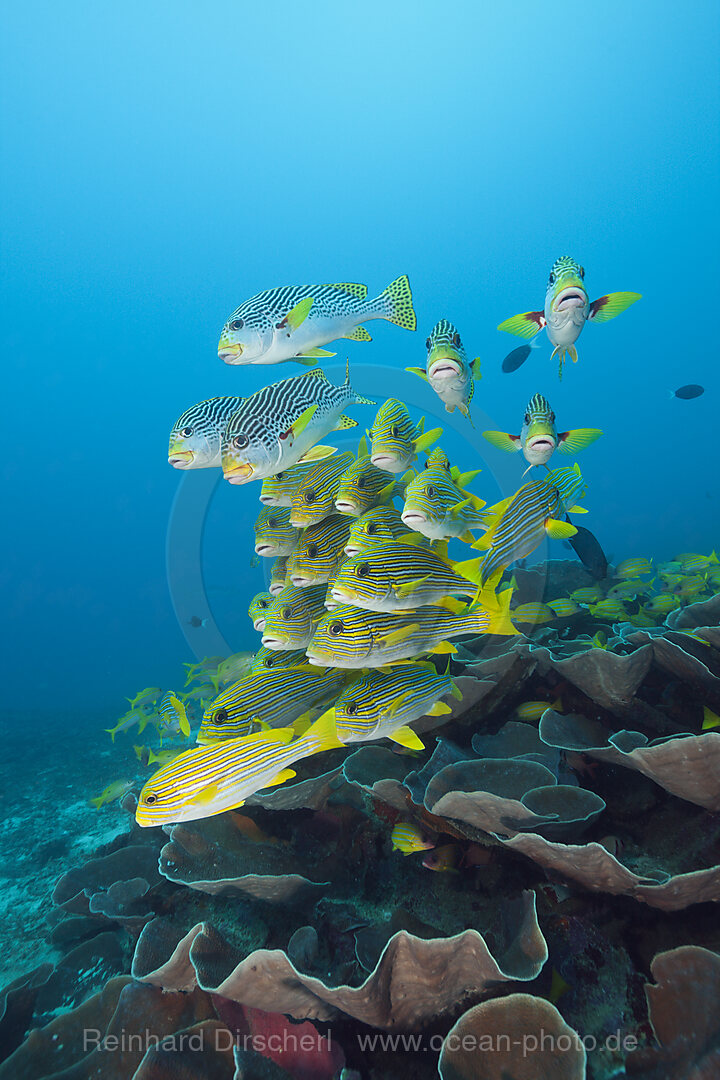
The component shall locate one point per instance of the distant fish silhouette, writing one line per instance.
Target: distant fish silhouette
(516, 358)
(692, 390)
(196, 621)
(589, 552)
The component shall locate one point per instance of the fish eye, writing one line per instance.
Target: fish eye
(278, 476)
(150, 799)
(395, 430)
(430, 491)
(527, 418)
(336, 628)
(552, 417)
(221, 716)
(427, 343)
(312, 551)
(262, 604)
(309, 496)
(456, 339)
(186, 432)
(361, 482)
(371, 528)
(551, 279)
(240, 442)
(286, 612)
(237, 324)
(351, 708)
(363, 569)
(272, 522)
(582, 272)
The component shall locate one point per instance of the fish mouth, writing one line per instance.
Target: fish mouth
(541, 442)
(267, 500)
(259, 624)
(316, 661)
(351, 551)
(264, 549)
(412, 516)
(301, 582)
(381, 460)
(339, 596)
(276, 588)
(181, 459)
(230, 354)
(569, 298)
(238, 474)
(444, 369)
(344, 506)
(273, 642)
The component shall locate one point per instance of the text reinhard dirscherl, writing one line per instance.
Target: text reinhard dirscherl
(222, 1039)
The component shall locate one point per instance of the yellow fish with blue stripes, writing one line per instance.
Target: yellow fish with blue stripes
(395, 441)
(314, 497)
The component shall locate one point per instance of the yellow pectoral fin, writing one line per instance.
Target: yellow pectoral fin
(559, 530)
(525, 325)
(578, 510)
(204, 796)
(439, 709)
(299, 425)
(394, 637)
(405, 736)
(313, 354)
(396, 705)
(362, 450)
(503, 441)
(443, 647)
(410, 587)
(607, 307)
(451, 604)
(572, 442)
(297, 314)
(317, 453)
(286, 774)
(418, 371)
(475, 368)
(467, 478)
(423, 441)
(710, 720)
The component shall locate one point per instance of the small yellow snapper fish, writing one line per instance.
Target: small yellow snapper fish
(291, 322)
(710, 720)
(148, 696)
(279, 574)
(382, 704)
(532, 613)
(350, 637)
(173, 716)
(564, 608)
(409, 838)
(128, 720)
(377, 526)
(210, 780)
(314, 497)
(662, 604)
(206, 667)
(265, 659)
(280, 425)
(291, 618)
(401, 577)
(533, 710)
(436, 504)
(234, 667)
(633, 568)
(447, 369)
(395, 441)
(146, 756)
(113, 791)
(538, 438)
(274, 534)
(587, 595)
(444, 859)
(608, 609)
(279, 490)
(363, 486)
(691, 561)
(196, 437)
(567, 309)
(257, 608)
(629, 589)
(319, 552)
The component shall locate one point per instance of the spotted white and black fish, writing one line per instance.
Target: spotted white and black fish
(280, 424)
(437, 505)
(319, 553)
(274, 534)
(567, 309)
(395, 441)
(257, 608)
(276, 697)
(196, 437)
(211, 779)
(382, 704)
(401, 577)
(447, 369)
(293, 321)
(538, 438)
(350, 637)
(517, 525)
(376, 526)
(291, 620)
(314, 497)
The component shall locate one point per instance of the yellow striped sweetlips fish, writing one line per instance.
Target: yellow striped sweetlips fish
(447, 369)
(209, 780)
(314, 497)
(278, 574)
(278, 490)
(436, 504)
(376, 526)
(567, 309)
(275, 697)
(258, 606)
(350, 637)
(362, 486)
(293, 321)
(274, 535)
(291, 620)
(538, 438)
(395, 441)
(516, 526)
(196, 437)
(280, 424)
(401, 577)
(265, 658)
(319, 552)
(382, 704)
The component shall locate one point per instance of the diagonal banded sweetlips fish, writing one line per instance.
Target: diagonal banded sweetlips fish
(382, 703)
(350, 637)
(314, 498)
(257, 608)
(567, 309)
(436, 504)
(293, 321)
(376, 526)
(400, 577)
(516, 526)
(265, 658)
(276, 696)
(319, 552)
(274, 535)
(211, 779)
(395, 441)
(280, 424)
(196, 437)
(291, 619)
(538, 438)
(447, 369)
